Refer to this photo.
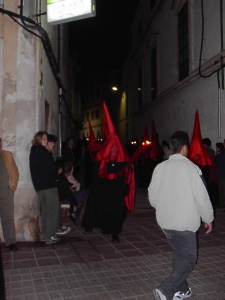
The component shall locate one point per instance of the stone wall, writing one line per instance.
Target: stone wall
(26, 85)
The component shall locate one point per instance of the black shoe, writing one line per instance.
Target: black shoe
(12, 247)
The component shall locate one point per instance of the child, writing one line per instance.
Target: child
(70, 192)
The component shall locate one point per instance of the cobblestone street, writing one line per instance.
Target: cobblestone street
(87, 265)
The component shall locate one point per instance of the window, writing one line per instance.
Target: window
(154, 74)
(47, 113)
(183, 42)
(127, 101)
(97, 114)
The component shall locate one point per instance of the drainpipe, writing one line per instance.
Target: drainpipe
(222, 39)
(60, 122)
(60, 94)
(220, 83)
(219, 107)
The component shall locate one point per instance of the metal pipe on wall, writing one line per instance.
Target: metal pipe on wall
(60, 95)
(220, 80)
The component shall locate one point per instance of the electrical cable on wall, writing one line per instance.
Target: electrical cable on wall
(213, 68)
(29, 24)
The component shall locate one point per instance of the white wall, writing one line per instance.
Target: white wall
(176, 104)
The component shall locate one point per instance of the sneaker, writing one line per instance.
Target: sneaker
(66, 228)
(52, 240)
(180, 295)
(159, 295)
(62, 231)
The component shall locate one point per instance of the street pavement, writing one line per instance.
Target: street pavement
(88, 266)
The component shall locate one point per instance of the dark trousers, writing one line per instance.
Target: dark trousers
(49, 212)
(7, 217)
(184, 246)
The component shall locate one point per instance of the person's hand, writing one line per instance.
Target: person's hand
(208, 227)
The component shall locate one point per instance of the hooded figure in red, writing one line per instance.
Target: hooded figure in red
(141, 149)
(156, 152)
(197, 151)
(149, 158)
(93, 145)
(90, 152)
(198, 154)
(113, 187)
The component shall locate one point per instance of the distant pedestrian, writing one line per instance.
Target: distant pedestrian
(209, 174)
(220, 172)
(9, 177)
(166, 149)
(68, 150)
(181, 200)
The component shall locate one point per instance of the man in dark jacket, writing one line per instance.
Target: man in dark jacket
(44, 177)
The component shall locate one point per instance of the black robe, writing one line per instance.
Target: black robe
(105, 207)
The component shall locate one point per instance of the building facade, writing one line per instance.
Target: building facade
(33, 82)
(99, 86)
(175, 67)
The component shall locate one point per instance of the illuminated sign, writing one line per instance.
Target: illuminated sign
(62, 11)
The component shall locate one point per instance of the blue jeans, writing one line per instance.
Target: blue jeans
(184, 246)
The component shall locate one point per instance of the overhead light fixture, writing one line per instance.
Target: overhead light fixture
(114, 88)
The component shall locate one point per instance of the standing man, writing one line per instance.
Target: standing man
(181, 200)
(9, 177)
(45, 177)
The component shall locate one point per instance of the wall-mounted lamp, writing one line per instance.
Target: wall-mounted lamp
(146, 143)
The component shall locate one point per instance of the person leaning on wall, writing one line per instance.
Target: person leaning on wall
(44, 177)
(9, 177)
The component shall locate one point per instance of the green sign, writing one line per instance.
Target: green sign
(53, 1)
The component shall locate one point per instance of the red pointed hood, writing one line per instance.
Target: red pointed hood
(156, 151)
(112, 149)
(197, 151)
(93, 145)
(143, 145)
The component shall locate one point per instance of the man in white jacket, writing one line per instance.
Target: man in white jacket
(179, 195)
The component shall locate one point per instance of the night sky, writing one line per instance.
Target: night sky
(103, 41)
